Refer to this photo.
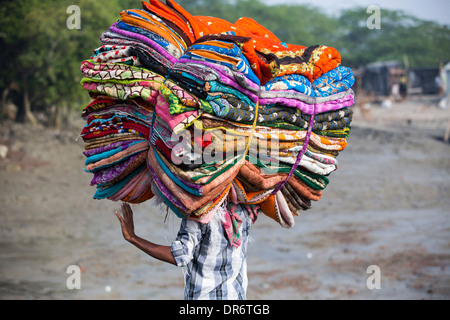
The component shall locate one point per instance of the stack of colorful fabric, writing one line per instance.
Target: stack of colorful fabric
(200, 112)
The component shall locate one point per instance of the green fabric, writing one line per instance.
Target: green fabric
(313, 180)
(175, 104)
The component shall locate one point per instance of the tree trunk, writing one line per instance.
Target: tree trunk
(447, 133)
(3, 103)
(24, 107)
(27, 114)
(58, 117)
(54, 117)
(20, 115)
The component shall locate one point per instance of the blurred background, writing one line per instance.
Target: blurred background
(388, 204)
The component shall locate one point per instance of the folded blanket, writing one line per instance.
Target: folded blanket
(203, 112)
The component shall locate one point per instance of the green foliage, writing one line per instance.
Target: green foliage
(41, 56)
(424, 43)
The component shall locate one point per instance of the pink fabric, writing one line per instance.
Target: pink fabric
(172, 120)
(286, 217)
(128, 187)
(144, 184)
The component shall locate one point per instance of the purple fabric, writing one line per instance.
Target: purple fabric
(166, 192)
(109, 147)
(111, 38)
(220, 69)
(145, 40)
(112, 172)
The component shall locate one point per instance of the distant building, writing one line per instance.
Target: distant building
(425, 81)
(378, 78)
(445, 79)
(391, 79)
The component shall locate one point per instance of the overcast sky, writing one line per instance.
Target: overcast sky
(435, 10)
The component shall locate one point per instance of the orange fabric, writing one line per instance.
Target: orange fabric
(264, 49)
(195, 29)
(147, 195)
(155, 26)
(201, 212)
(326, 140)
(261, 68)
(252, 174)
(329, 60)
(220, 44)
(249, 196)
(262, 38)
(255, 29)
(213, 25)
(165, 12)
(323, 60)
(268, 207)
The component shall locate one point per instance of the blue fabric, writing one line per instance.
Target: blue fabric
(115, 162)
(193, 78)
(242, 67)
(131, 13)
(235, 52)
(221, 107)
(218, 87)
(335, 81)
(290, 82)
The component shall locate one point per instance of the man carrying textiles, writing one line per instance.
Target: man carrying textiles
(214, 254)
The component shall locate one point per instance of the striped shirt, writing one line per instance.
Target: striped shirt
(215, 270)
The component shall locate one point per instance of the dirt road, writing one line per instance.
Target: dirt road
(387, 206)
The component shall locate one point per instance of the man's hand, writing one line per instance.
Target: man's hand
(163, 253)
(126, 222)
